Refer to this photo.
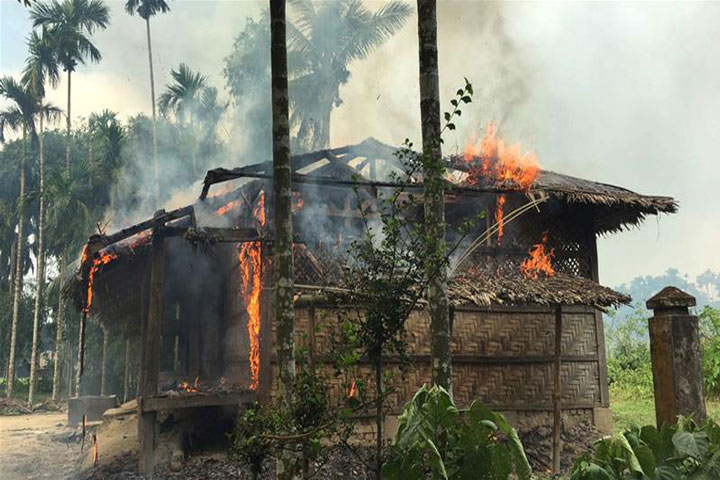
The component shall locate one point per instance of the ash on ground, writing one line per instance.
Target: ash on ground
(340, 463)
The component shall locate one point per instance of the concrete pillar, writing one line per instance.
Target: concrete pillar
(675, 351)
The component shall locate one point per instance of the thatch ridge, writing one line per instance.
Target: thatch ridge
(512, 288)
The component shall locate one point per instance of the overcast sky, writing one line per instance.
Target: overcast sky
(623, 93)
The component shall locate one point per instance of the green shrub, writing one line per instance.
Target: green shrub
(436, 440)
(710, 344)
(682, 452)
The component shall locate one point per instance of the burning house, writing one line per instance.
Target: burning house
(193, 285)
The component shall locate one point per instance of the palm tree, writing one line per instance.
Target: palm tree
(108, 135)
(69, 220)
(183, 98)
(18, 116)
(41, 65)
(323, 40)
(434, 196)
(282, 220)
(69, 26)
(146, 9)
(45, 112)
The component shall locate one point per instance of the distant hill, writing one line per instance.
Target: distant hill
(705, 287)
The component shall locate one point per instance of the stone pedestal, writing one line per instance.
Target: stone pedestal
(675, 351)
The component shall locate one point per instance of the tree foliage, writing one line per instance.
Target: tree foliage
(436, 440)
(324, 38)
(682, 452)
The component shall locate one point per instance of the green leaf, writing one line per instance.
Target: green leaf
(666, 472)
(694, 444)
(454, 102)
(712, 467)
(451, 126)
(646, 458)
(627, 454)
(447, 116)
(595, 472)
(436, 462)
(466, 99)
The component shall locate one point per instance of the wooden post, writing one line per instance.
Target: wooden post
(675, 353)
(126, 372)
(147, 425)
(557, 387)
(176, 346)
(103, 367)
(81, 352)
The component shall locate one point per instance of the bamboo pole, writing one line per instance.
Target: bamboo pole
(557, 408)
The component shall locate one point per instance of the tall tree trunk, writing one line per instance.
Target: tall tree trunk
(37, 316)
(59, 334)
(156, 169)
(18, 269)
(68, 133)
(282, 221)
(282, 196)
(433, 170)
(103, 370)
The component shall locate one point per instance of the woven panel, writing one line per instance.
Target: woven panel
(519, 386)
(579, 335)
(508, 334)
(485, 334)
(319, 265)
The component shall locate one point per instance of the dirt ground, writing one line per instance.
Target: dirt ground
(38, 446)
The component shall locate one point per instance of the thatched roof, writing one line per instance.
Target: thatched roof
(510, 287)
(614, 208)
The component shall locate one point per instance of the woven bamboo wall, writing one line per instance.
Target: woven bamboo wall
(502, 357)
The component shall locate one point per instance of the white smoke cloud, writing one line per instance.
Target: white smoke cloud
(621, 93)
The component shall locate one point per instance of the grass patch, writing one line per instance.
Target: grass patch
(630, 410)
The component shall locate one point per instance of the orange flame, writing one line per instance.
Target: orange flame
(499, 217)
(228, 206)
(84, 255)
(298, 202)
(250, 258)
(539, 260)
(95, 450)
(186, 386)
(353, 389)
(502, 164)
(103, 259)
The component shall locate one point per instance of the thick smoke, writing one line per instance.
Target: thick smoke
(600, 91)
